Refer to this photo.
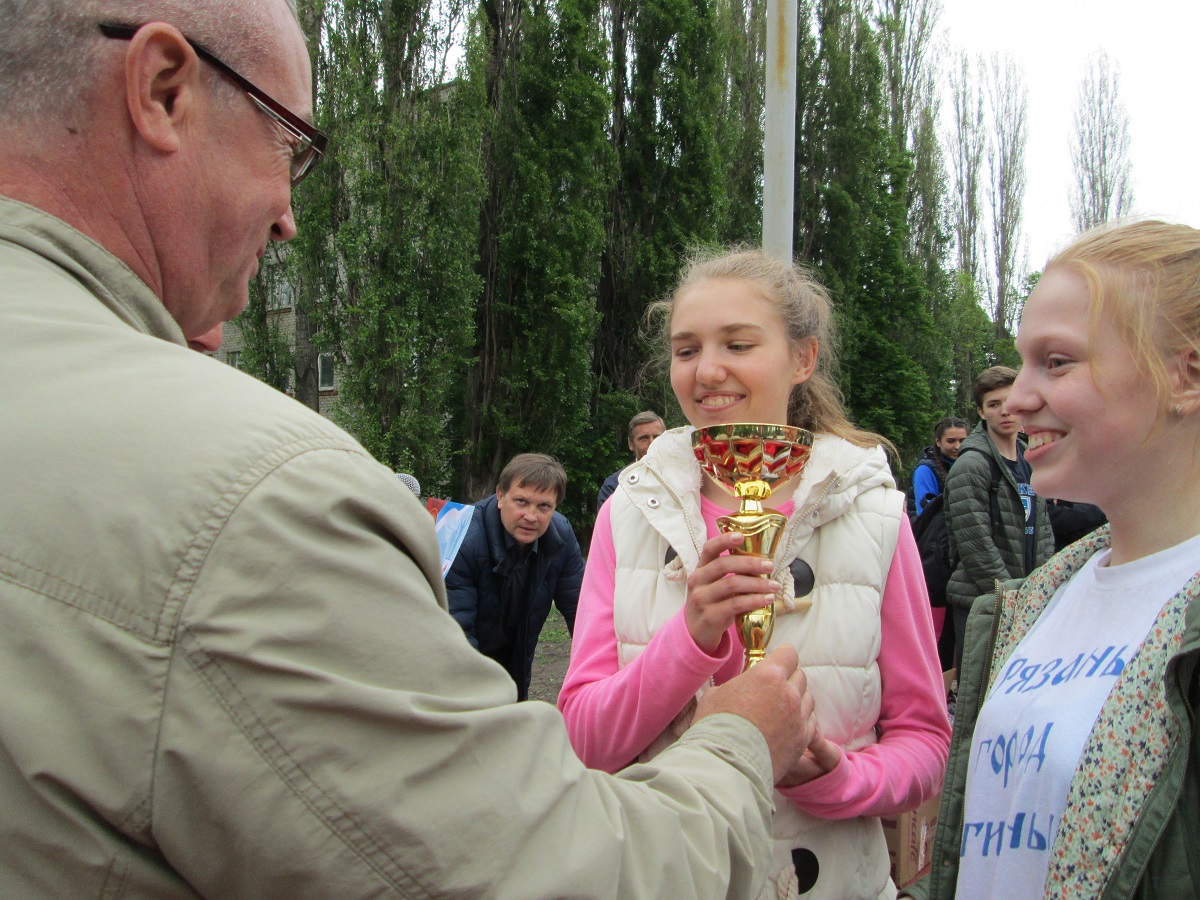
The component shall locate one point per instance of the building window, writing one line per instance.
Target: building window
(325, 372)
(234, 358)
(281, 297)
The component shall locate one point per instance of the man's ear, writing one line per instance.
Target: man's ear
(162, 82)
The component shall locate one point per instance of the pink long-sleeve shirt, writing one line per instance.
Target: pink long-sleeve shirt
(613, 713)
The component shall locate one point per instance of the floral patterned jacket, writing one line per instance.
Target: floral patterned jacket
(1131, 828)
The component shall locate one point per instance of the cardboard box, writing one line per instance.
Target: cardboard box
(910, 842)
(910, 836)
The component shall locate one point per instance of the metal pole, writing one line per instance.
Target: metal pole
(779, 135)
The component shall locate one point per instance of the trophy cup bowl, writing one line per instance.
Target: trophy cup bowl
(746, 459)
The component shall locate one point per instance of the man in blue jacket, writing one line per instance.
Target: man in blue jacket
(518, 556)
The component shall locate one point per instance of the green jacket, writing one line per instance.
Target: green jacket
(1163, 856)
(227, 665)
(987, 553)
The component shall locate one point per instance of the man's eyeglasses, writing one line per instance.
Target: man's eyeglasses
(311, 141)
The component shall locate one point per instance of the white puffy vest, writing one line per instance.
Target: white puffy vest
(845, 525)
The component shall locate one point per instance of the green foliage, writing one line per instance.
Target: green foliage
(510, 183)
(970, 336)
(740, 46)
(266, 353)
(548, 176)
(851, 223)
(677, 126)
(390, 242)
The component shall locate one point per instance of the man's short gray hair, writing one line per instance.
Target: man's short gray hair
(50, 49)
(644, 418)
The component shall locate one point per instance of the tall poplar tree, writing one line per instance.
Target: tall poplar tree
(967, 140)
(911, 43)
(669, 94)
(386, 248)
(741, 38)
(1008, 99)
(974, 339)
(851, 220)
(1103, 182)
(909, 39)
(267, 352)
(540, 237)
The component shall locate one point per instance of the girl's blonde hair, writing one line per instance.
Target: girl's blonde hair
(1144, 279)
(807, 312)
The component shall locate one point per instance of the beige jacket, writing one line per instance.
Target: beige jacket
(228, 670)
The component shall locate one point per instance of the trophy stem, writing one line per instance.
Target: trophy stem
(754, 631)
(760, 535)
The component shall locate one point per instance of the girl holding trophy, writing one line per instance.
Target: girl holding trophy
(1079, 774)
(750, 342)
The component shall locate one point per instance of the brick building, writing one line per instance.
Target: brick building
(281, 315)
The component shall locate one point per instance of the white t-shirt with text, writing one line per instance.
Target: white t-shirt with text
(1037, 717)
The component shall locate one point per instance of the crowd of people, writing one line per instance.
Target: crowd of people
(235, 669)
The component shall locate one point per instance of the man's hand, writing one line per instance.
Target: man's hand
(774, 697)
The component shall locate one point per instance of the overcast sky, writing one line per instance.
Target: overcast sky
(1156, 43)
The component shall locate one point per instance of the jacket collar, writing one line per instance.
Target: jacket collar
(104, 276)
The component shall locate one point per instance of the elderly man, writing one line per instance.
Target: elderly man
(643, 429)
(228, 666)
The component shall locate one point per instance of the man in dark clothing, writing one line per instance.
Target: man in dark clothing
(643, 429)
(517, 557)
(1072, 521)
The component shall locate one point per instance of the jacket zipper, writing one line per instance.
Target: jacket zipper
(991, 653)
(794, 524)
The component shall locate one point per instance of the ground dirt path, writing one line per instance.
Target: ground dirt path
(549, 667)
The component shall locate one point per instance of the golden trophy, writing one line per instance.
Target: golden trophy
(746, 459)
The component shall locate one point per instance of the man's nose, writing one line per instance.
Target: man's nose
(284, 228)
